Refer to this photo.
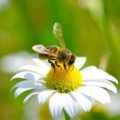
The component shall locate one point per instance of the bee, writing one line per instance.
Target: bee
(55, 54)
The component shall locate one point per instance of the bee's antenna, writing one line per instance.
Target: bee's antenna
(57, 31)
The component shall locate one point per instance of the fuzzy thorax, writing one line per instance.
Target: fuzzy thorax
(63, 80)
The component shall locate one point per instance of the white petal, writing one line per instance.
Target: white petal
(27, 75)
(32, 68)
(19, 91)
(83, 101)
(105, 83)
(70, 105)
(56, 104)
(44, 95)
(80, 61)
(96, 93)
(42, 64)
(26, 84)
(29, 96)
(92, 73)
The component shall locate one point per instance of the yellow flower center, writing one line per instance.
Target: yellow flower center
(63, 79)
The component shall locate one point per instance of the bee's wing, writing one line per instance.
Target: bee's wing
(43, 50)
(40, 49)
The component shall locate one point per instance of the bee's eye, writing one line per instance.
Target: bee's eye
(72, 60)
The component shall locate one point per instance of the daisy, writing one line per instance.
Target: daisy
(61, 83)
(19, 58)
(65, 90)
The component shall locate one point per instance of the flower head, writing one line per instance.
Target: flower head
(65, 90)
(63, 84)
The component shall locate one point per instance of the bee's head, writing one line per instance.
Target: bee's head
(66, 56)
(71, 60)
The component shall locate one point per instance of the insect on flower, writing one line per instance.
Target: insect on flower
(64, 85)
(57, 56)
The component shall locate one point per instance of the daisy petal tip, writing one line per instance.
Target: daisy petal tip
(115, 90)
(12, 78)
(87, 109)
(84, 58)
(15, 77)
(39, 101)
(112, 78)
(80, 61)
(25, 101)
(29, 96)
(116, 81)
(17, 93)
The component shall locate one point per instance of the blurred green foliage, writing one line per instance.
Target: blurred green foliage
(90, 29)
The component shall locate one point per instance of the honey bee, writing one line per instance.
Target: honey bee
(55, 54)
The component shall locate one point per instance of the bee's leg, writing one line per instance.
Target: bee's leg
(52, 64)
(65, 66)
(58, 65)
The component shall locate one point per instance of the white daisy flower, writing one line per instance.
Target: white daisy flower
(65, 90)
(4, 4)
(19, 58)
(63, 84)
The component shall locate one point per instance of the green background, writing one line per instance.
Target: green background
(91, 29)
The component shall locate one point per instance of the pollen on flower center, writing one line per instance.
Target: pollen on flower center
(63, 80)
